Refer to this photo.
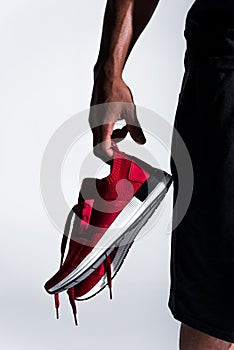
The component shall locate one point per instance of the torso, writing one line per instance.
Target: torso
(217, 13)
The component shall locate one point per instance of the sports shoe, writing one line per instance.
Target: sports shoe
(109, 213)
(103, 275)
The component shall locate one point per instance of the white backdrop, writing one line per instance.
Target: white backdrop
(48, 49)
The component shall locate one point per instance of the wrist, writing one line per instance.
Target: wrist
(107, 69)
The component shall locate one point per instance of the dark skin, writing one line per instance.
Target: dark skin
(124, 21)
(192, 339)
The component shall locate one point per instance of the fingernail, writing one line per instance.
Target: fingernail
(141, 137)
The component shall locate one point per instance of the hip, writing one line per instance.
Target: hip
(213, 49)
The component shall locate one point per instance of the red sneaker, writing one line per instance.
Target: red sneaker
(105, 272)
(109, 214)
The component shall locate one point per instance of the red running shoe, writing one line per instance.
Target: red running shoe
(110, 212)
(104, 274)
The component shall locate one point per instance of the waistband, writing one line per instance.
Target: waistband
(209, 46)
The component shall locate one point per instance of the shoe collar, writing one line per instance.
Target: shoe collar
(135, 173)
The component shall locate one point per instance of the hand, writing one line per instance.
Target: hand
(112, 101)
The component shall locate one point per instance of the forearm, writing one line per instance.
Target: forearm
(124, 21)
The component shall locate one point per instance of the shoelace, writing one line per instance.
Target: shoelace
(71, 294)
(107, 264)
(64, 243)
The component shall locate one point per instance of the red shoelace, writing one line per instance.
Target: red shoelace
(107, 264)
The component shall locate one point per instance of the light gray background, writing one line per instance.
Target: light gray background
(48, 49)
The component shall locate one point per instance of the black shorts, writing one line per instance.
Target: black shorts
(202, 249)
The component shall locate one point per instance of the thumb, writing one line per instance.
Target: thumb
(136, 132)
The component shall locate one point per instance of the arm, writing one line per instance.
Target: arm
(124, 21)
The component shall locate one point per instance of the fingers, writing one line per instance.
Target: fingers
(137, 134)
(102, 119)
(134, 128)
(96, 135)
(119, 134)
(102, 147)
(101, 133)
(105, 140)
(104, 132)
(102, 140)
